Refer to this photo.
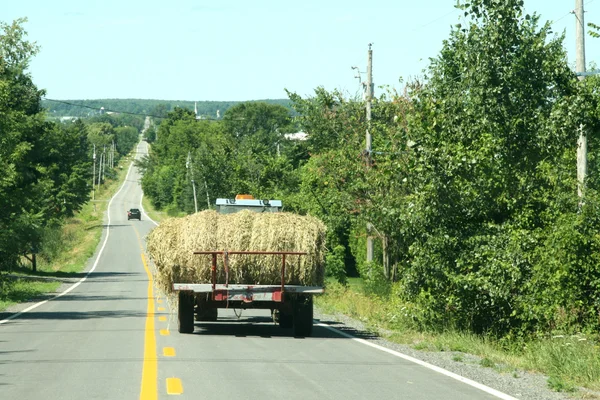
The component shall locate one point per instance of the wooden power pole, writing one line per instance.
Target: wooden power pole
(369, 141)
(580, 66)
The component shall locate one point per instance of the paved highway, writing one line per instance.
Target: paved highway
(113, 337)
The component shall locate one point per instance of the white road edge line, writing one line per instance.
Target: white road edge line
(442, 371)
(79, 282)
(144, 211)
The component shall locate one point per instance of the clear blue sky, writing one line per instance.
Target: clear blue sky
(243, 50)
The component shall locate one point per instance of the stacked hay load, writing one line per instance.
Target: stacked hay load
(172, 244)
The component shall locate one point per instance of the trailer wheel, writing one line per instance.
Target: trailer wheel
(303, 316)
(185, 313)
(285, 320)
(206, 314)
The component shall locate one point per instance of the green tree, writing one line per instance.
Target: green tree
(492, 140)
(42, 165)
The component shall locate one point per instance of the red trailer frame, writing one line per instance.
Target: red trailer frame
(298, 298)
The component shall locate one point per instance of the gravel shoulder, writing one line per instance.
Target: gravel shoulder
(519, 384)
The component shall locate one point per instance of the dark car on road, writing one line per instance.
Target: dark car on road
(134, 213)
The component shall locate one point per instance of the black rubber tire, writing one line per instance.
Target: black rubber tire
(185, 313)
(285, 320)
(303, 316)
(206, 314)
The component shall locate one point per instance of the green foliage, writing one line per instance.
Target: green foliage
(335, 265)
(43, 166)
(492, 128)
(126, 137)
(559, 385)
(46, 168)
(473, 181)
(245, 153)
(487, 363)
(595, 32)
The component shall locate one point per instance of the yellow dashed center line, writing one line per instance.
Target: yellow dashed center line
(174, 386)
(168, 352)
(149, 390)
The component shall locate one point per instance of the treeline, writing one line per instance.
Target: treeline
(471, 188)
(46, 168)
(246, 152)
(156, 108)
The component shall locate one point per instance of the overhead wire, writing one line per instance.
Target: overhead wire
(133, 113)
(570, 12)
(98, 109)
(115, 111)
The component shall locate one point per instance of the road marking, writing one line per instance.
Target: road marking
(159, 301)
(442, 371)
(79, 282)
(144, 211)
(161, 309)
(149, 389)
(168, 352)
(174, 386)
(162, 318)
(165, 332)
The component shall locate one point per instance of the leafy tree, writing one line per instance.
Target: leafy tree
(489, 151)
(101, 133)
(126, 137)
(42, 165)
(68, 168)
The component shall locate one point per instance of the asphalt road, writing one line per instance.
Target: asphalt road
(113, 337)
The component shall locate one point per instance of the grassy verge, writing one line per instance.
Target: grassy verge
(157, 216)
(76, 242)
(569, 361)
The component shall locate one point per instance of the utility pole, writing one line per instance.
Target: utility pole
(580, 65)
(94, 175)
(100, 170)
(368, 149)
(190, 166)
(207, 196)
(104, 162)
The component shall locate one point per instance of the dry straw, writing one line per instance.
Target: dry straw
(171, 246)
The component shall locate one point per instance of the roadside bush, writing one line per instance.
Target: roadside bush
(335, 266)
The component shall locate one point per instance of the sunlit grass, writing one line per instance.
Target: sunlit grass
(157, 216)
(18, 291)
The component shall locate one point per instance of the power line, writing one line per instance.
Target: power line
(570, 12)
(98, 109)
(456, 10)
(115, 111)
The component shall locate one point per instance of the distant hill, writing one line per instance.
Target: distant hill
(88, 108)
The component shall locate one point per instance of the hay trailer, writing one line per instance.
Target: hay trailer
(291, 305)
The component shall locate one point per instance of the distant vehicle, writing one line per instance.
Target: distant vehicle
(134, 213)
